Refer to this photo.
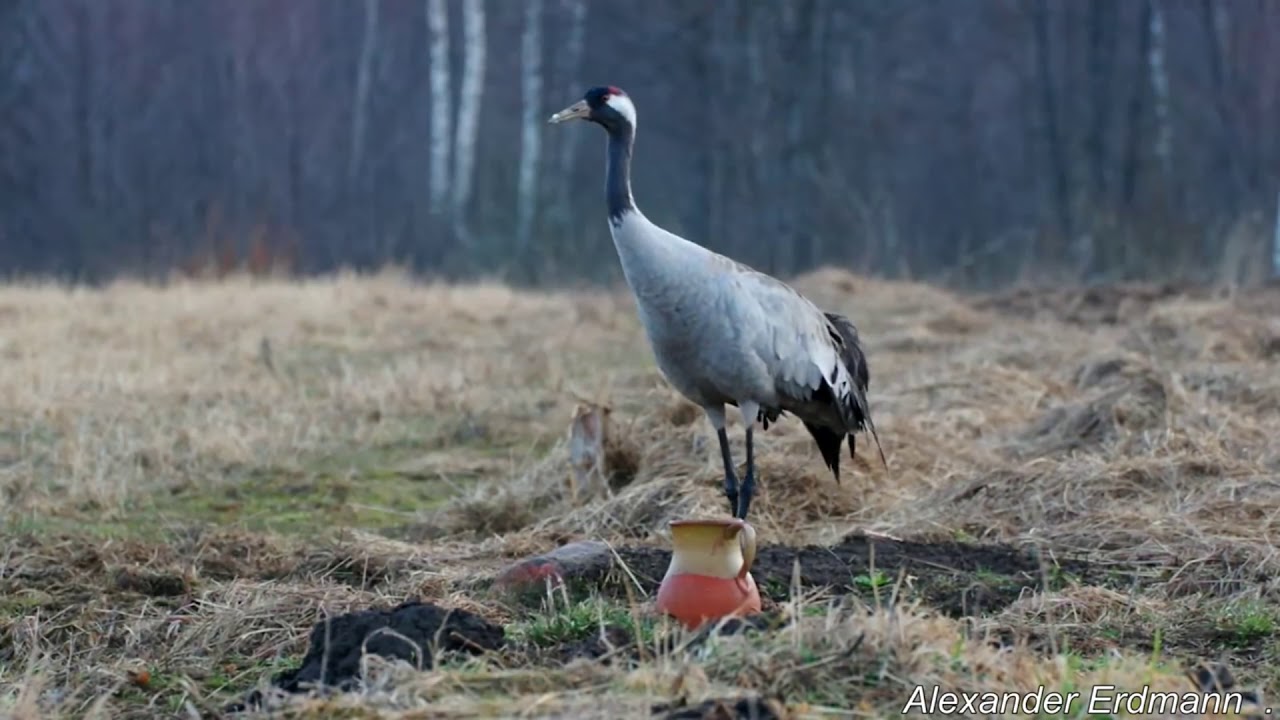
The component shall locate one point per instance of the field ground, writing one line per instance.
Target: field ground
(1084, 488)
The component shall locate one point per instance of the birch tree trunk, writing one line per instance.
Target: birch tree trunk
(531, 136)
(364, 73)
(441, 104)
(469, 98)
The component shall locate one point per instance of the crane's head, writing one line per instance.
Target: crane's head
(606, 106)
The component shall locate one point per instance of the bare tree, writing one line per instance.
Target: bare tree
(572, 59)
(1160, 92)
(1275, 242)
(364, 72)
(470, 95)
(17, 128)
(441, 104)
(1137, 98)
(531, 122)
(1047, 84)
(1215, 23)
(1102, 43)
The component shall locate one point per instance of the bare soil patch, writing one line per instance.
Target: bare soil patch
(957, 579)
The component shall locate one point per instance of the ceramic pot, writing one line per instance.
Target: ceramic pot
(710, 572)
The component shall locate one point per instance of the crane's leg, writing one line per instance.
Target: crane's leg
(716, 416)
(750, 412)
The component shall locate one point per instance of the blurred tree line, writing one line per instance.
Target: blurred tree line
(974, 143)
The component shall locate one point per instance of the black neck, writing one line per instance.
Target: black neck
(617, 184)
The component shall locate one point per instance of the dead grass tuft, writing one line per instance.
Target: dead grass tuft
(1123, 399)
(192, 474)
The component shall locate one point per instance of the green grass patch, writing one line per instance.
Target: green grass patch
(269, 500)
(872, 581)
(300, 503)
(379, 485)
(579, 621)
(1246, 622)
(226, 680)
(23, 602)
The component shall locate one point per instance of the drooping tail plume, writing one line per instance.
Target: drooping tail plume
(857, 411)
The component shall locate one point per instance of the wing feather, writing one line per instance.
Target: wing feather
(786, 332)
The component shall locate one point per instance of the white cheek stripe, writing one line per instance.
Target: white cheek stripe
(624, 107)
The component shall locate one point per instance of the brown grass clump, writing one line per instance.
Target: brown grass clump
(191, 475)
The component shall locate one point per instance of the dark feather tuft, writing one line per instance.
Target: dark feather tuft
(766, 416)
(857, 412)
(828, 441)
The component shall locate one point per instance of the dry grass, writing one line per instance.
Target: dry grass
(192, 475)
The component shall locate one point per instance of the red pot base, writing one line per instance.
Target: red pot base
(696, 599)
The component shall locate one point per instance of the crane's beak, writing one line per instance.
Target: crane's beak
(574, 111)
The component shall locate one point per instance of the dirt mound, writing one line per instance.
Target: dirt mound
(413, 631)
(725, 709)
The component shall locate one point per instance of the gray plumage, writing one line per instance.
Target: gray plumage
(725, 334)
